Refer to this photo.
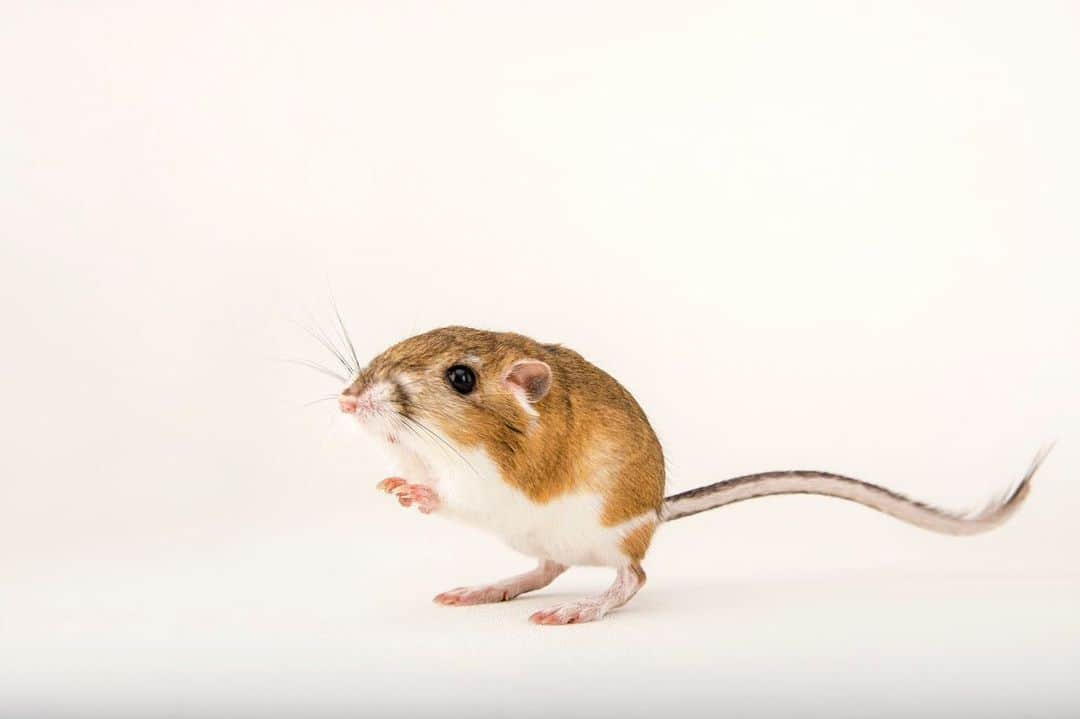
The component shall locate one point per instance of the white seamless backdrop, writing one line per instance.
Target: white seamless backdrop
(831, 235)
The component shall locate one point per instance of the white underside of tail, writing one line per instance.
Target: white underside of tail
(831, 485)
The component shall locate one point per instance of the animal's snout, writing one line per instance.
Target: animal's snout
(347, 403)
(364, 400)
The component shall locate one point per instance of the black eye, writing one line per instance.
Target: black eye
(461, 378)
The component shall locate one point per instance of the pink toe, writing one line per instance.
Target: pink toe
(389, 484)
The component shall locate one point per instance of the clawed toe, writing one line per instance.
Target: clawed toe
(627, 581)
(465, 596)
(389, 484)
(570, 613)
(407, 494)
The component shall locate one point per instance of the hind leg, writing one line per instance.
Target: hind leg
(505, 589)
(628, 580)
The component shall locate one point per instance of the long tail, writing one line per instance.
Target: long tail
(922, 515)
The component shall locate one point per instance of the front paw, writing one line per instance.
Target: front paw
(389, 484)
(425, 498)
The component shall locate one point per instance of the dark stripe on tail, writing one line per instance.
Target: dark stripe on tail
(828, 484)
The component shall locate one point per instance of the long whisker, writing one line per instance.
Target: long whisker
(344, 331)
(317, 367)
(316, 333)
(403, 422)
(439, 437)
(424, 438)
(339, 353)
(327, 398)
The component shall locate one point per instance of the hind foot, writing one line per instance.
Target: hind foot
(503, 590)
(627, 582)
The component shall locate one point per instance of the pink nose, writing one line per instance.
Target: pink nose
(347, 402)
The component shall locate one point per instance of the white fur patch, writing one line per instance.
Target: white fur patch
(519, 395)
(566, 530)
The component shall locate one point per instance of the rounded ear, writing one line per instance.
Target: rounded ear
(530, 377)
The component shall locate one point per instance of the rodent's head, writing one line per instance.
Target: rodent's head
(468, 385)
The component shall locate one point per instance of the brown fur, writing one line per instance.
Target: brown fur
(589, 435)
(636, 542)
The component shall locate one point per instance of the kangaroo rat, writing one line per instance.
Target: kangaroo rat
(534, 443)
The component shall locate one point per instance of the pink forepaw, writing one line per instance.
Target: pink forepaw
(425, 498)
(389, 484)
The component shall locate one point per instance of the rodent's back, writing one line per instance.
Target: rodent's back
(600, 423)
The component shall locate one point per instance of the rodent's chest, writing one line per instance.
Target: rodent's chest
(566, 529)
(475, 491)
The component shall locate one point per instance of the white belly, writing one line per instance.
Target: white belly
(565, 530)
